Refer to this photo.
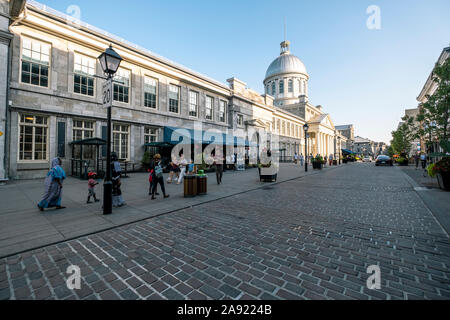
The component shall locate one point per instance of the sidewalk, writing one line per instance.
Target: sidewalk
(23, 227)
(437, 200)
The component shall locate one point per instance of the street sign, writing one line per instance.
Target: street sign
(107, 93)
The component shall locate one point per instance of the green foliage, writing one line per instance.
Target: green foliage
(430, 169)
(442, 166)
(445, 144)
(146, 158)
(318, 159)
(402, 137)
(433, 118)
(390, 151)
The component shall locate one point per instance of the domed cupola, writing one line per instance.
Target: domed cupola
(286, 78)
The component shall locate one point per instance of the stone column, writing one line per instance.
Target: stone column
(5, 39)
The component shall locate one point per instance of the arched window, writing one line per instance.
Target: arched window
(273, 88)
(291, 85)
(281, 86)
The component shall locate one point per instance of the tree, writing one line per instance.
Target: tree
(390, 151)
(434, 113)
(402, 138)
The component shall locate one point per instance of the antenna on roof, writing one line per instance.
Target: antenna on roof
(285, 44)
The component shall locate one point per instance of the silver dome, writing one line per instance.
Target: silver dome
(286, 63)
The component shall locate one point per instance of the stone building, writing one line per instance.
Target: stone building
(53, 95)
(348, 132)
(428, 90)
(287, 81)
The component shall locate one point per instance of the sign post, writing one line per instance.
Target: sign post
(107, 93)
(107, 100)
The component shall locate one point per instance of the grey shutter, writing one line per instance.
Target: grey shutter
(104, 134)
(61, 139)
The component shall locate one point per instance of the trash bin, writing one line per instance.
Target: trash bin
(190, 186)
(202, 184)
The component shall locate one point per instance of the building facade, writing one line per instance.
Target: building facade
(53, 97)
(429, 89)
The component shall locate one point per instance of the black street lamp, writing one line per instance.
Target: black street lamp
(335, 145)
(339, 143)
(306, 128)
(110, 62)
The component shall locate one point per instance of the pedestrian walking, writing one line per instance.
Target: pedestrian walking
(325, 162)
(233, 161)
(417, 160)
(218, 162)
(157, 171)
(182, 165)
(117, 199)
(174, 170)
(91, 187)
(151, 180)
(331, 158)
(302, 160)
(53, 187)
(296, 158)
(423, 159)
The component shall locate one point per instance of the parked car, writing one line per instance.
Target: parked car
(367, 159)
(384, 161)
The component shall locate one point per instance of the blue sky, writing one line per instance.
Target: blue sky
(360, 76)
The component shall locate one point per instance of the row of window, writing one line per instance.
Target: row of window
(36, 66)
(271, 86)
(33, 138)
(287, 128)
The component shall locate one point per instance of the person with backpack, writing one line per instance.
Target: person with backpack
(423, 159)
(157, 176)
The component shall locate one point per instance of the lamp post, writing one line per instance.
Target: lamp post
(306, 128)
(335, 146)
(339, 143)
(109, 61)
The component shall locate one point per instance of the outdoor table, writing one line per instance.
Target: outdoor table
(190, 186)
(202, 185)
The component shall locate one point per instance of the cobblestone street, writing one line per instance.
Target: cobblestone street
(308, 238)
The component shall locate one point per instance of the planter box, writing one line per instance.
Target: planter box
(267, 175)
(317, 165)
(335, 162)
(444, 180)
(345, 161)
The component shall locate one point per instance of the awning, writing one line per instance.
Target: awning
(190, 136)
(159, 144)
(345, 151)
(89, 142)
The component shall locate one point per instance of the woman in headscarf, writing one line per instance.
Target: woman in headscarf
(53, 187)
(117, 199)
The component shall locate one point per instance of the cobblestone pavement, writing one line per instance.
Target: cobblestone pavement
(310, 238)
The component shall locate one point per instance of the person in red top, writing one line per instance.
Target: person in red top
(91, 187)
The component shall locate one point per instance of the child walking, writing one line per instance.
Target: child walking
(91, 187)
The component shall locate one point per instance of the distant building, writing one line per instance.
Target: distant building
(348, 131)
